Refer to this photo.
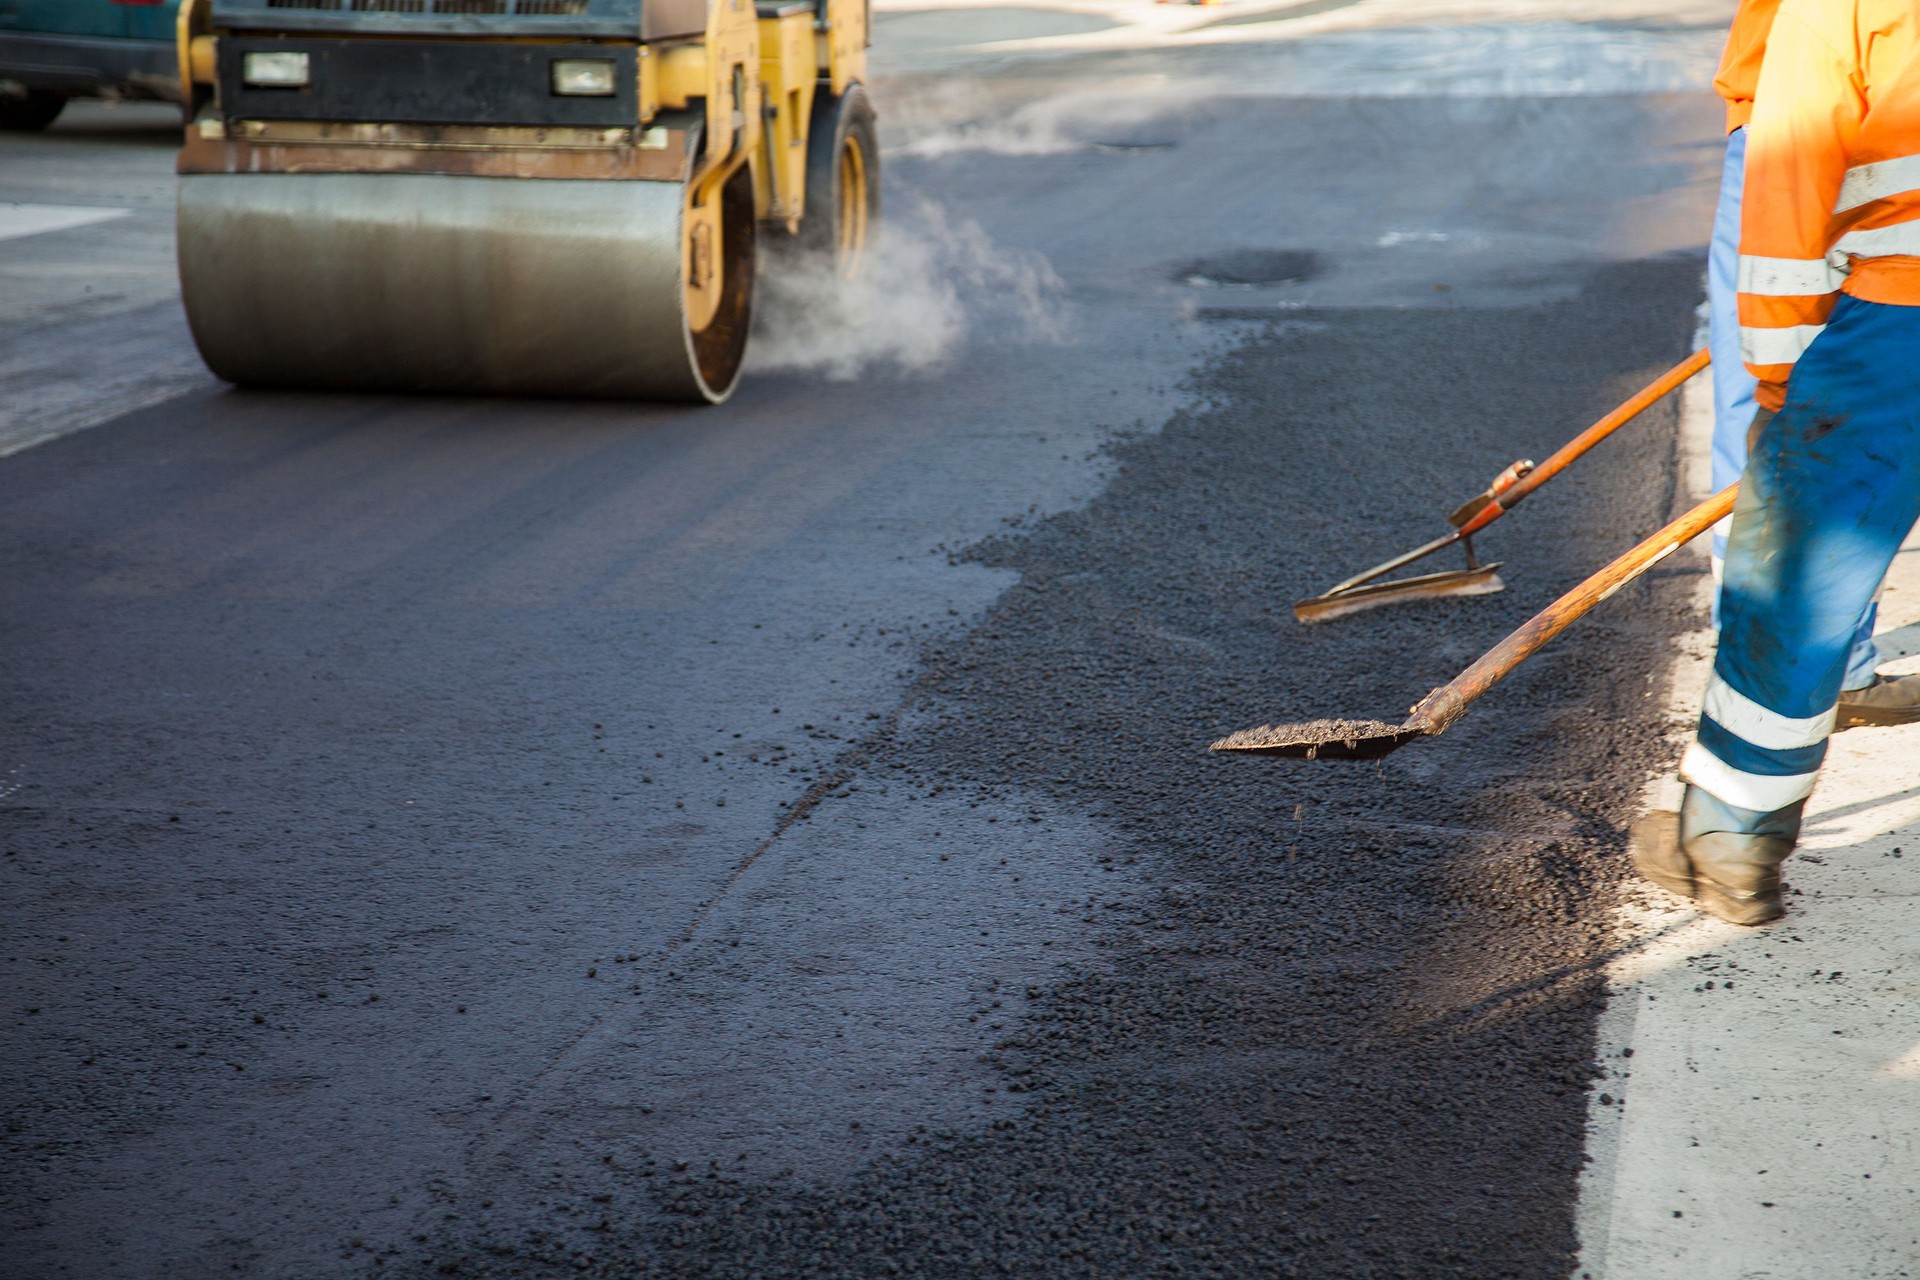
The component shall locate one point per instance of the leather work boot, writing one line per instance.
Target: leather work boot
(1732, 873)
(1888, 700)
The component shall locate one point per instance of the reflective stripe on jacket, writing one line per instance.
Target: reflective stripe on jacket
(1832, 193)
(1740, 64)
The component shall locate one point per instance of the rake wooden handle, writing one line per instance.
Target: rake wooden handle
(1444, 705)
(1571, 451)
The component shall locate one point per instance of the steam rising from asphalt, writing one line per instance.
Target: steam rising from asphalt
(956, 116)
(933, 281)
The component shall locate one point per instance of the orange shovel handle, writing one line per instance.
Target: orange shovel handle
(1444, 705)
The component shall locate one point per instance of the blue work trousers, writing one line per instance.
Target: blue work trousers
(1831, 491)
(1733, 386)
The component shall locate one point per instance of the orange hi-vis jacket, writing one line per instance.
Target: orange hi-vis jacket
(1739, 70)
(1832, 197)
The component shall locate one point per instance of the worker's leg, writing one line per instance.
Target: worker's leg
(1733, 403)
(1831, 491)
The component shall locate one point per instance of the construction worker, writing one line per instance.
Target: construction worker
(1829, 303)
(1866, 698)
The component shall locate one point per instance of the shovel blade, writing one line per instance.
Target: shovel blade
(1323, 739)
(1483, 581)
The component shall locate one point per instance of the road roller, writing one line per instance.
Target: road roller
(519, 197)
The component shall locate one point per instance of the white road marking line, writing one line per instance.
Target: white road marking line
(61, 378)
(17, 220)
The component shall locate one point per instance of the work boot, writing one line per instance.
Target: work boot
(1888, 700)
(1723, 857)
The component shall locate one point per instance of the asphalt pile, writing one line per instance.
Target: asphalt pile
(1348, 1028)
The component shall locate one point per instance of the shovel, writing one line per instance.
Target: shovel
(1508, 490)
(1371, 739)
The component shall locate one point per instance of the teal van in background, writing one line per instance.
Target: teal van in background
(53, 50)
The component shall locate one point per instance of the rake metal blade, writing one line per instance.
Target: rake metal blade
(1481, 581)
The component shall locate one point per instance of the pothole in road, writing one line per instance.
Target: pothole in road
(1249, 268)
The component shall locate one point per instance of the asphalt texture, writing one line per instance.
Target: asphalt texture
(517, 839)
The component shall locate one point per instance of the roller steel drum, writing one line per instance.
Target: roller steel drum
(428, 282)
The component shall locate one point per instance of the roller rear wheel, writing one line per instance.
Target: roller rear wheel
(843, 183)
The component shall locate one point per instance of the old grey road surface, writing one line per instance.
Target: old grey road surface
(526, 839)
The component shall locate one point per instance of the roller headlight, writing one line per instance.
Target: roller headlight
(279, 69)
(583, 77)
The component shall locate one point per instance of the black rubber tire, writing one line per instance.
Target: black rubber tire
(31, 112)
(839, 123)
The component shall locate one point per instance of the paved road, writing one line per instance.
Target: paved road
(90, 318)
(528, 838)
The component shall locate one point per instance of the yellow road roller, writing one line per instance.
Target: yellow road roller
(533, 197)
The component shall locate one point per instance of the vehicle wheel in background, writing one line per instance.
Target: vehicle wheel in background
(31, 111)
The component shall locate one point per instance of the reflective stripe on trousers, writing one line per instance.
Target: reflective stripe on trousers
(1830, 493)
